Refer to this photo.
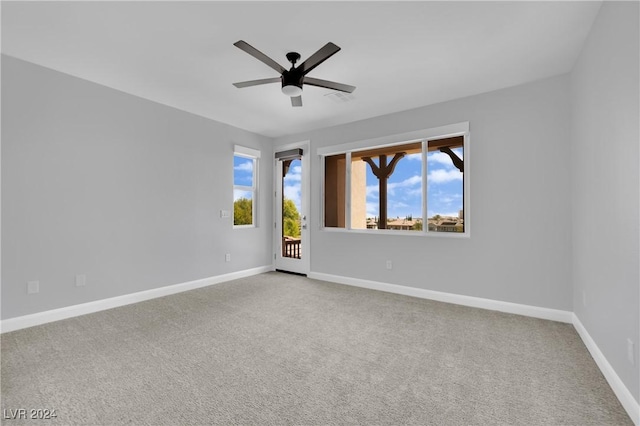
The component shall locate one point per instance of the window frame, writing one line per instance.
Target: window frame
(424, 136)
(254, 155)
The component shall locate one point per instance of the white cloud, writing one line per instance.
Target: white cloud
(412, 181)
(442, 158)
(292, 192)
(372, 209)
(450, 198)
(291, 186)
(404, 198)
(244, 167)
(417, 192)
(397, 205)
(436, 156)
(372, 191)
(407, 183)
(406, 187)
(294, 175)
(443, 176)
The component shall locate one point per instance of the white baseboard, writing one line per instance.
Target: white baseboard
(17, 323)
(621, 391)
(617, 385)
(457, 299)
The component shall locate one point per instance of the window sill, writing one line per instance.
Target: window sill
(456, 235)
(244, 226)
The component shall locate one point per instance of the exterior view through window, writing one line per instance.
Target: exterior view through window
(244, 190)
(388, 185)
(291, 208)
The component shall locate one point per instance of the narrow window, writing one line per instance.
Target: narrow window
(245, 186)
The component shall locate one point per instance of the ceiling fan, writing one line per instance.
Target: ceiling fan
(293, 79)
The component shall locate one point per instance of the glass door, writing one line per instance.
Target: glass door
(291, 221)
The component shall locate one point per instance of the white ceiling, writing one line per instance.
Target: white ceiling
(398, 55)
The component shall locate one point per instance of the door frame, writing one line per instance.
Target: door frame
(303, 265)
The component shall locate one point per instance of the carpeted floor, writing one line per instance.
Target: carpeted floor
(283, 349)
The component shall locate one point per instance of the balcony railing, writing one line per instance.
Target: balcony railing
(291, 247)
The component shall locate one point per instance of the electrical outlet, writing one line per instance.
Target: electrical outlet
(33, 287)
(389, 264)
(81, 280)
(631, 351)
(224, 213)
(227, 257)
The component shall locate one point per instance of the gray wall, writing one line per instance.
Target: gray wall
(520, 245)
(605, 139)
(126, 191)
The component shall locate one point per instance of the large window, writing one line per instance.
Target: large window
(416, 186)
(245, 186)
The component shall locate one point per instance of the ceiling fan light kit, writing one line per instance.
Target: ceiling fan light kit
(293, 79)
(292, 90)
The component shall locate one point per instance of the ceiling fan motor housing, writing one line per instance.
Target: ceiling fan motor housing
(291, 80)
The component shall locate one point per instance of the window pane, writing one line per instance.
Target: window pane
(242, 171)
(395, 171)
(292, 199)
(445, 185)
(334, 190)
(242, 207)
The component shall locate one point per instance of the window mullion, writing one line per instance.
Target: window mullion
(254, 189)
(425, 171)
(347, 191)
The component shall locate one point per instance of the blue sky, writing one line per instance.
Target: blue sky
(243, 172)
(242, 175)
(291, 187)
(404, 188)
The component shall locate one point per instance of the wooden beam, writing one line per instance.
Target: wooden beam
(285, 167)
(382, 172)
(456, 160)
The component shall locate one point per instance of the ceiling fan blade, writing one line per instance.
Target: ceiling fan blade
(257, 82)
(319, 57)
(328, 84)
(243, 45)
(296, 101)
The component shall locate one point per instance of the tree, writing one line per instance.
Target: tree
(290, 218)
(417, 226)
(243, 211)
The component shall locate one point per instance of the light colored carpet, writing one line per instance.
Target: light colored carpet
(283, 349)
